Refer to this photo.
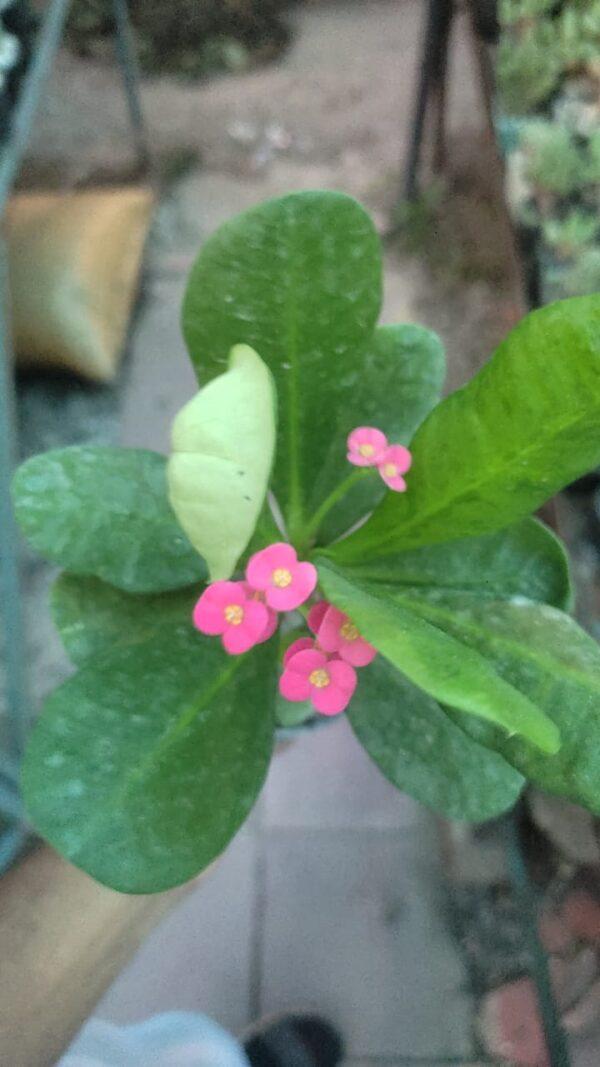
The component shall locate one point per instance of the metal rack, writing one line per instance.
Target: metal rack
(46, 46)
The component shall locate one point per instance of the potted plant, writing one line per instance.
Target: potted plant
(202, 590)
(548, 121)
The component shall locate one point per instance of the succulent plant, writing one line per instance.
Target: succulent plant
(528, 67)
(554, 162)
(517, 12)
(541, 46)
(567, 237)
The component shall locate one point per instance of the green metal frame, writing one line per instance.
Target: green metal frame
(46, 46)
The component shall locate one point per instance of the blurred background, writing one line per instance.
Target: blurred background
(471, 132)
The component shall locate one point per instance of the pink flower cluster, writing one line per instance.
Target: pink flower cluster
(322, 669)
(368, 447)
(244, 614)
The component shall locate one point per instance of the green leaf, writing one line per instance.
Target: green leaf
(423, 753)
(491, 453)
(143, 793)
(92, 617)
(547, 656)
(448, 670)
(299, 279)
(527, 560)
(222, 450)
(402, 375)
(104, 511)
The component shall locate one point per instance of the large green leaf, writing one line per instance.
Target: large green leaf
(491, 453)
(547, 656)
(527, 560)
(222, 450)
(143, 766)
(299, 279)
(448, 670)
(92, 617)
(402, 376)
(104, 511)
(424, 753)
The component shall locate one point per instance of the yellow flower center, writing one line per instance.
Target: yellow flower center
(349, 631)
(366, 450)
(390, 470)
(282, 578)
(234, 614)
(319, 678)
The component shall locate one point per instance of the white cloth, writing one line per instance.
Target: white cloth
(174, 1039)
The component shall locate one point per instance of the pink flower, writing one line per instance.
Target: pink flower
(327, 683)
(271, 626)
(224, 608)
(366, 446)
(276, 572)
(337, 633)
(395, 462)
(273, 618)
(300, 645)
(317, 614)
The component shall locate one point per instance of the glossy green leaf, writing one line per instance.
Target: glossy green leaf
(145, 763)
(299, 279)
(104, 511)
(93, 618)
(424, 753)
(222, 450)
(549, 658)
(448, 670)
(491, 453)
(527, 560)
(402, 376)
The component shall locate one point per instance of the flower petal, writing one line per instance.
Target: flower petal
(361, 461)
(316, 615)
(240, 638)
(394, 481)
(208, 618)
(294, 686)
(271, 626)
(330, 700)
(256, 619)
(304, 580)
(367, 435)
(260, 568)
(359, 652)
(399, 456)
(305, 662)
(300, 645)
(208, 615)
(343, 676)
(329, 636)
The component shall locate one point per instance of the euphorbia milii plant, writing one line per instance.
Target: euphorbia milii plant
(327, 537)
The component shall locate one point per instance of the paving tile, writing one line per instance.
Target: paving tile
(160, 378)
(325, 779)
(379, 1062)
(583, 1049)
(354, 929)
(198, 959)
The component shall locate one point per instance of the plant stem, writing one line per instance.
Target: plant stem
(334, 497)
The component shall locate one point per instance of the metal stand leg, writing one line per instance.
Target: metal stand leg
(11, 609)
(10, 594)
(558, 1053)
(432, 78)
(127, 59)
(46, 47)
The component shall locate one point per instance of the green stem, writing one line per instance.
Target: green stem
(340, 491)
